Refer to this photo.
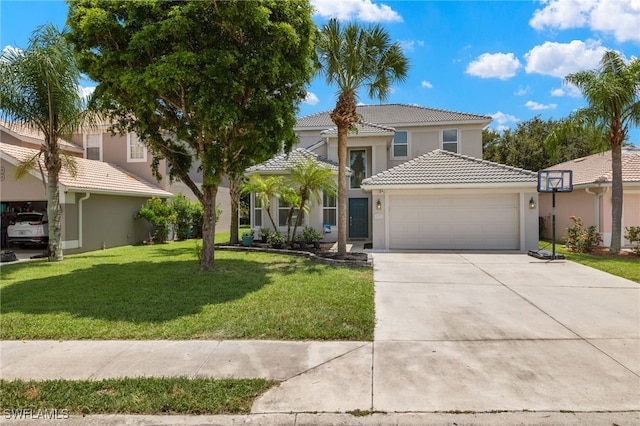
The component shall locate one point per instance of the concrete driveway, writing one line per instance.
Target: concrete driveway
(468, 331)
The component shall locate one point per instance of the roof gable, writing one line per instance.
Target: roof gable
(93, 176)
(441, 167)
(395, 115)
(596, 168)
(282, 162)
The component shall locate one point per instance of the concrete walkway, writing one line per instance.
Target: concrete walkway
(464, 337)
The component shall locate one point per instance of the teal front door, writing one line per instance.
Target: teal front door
(358, 217)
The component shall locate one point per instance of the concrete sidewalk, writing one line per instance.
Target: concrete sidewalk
(464, 337)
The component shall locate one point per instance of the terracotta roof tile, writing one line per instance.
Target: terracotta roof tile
(395, 115)
(596, 168)
(441, 167)
(362, 129)
(34, 136)
(94, 176)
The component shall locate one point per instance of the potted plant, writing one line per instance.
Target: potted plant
(247, 238)
(276, 239)
(312, 236)
(300, 240)
(264, 234)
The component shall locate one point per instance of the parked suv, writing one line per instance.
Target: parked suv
(29, 228)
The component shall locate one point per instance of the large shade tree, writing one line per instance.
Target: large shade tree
(39, 89)
(352, 57)
(612, 92)
(212, 82)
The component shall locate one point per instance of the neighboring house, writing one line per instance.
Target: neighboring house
(392, 140)
(591, 196)
(99, 205)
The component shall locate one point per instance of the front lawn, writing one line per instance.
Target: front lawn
(175, 395)
(627, 266)
(157, 292)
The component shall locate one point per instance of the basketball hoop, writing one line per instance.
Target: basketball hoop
(553, 181)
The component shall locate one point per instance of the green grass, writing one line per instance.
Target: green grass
(158, 292)
(133, 396)
(626, 267)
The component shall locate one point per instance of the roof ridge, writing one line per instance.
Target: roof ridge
(493, 163)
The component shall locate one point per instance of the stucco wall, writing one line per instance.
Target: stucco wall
(27, 188)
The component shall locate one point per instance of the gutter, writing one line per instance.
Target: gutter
(532, 184)
(596, 203)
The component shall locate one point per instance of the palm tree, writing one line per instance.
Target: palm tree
(312, 179)
(613, 93)
(351, 57)
(265, 190)
(40, 90)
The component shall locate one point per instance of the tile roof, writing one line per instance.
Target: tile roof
(363, 129)
(441, 167)
(94, 176)
(395, 115)
(596, 168)
(34, 136)
(282, 162)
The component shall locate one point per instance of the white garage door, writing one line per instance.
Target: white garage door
(454, 222)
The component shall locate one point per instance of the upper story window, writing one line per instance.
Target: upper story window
(136, 151)
(400, 145)
(93, 146)
(358, 164)
(450, 140)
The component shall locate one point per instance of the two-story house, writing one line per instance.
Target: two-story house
(417, 181)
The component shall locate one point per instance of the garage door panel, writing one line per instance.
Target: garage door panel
(454, 222)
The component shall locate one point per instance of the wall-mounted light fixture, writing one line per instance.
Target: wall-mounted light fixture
(378, 205)
(532, 203)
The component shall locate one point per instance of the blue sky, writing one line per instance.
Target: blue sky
(506, 59)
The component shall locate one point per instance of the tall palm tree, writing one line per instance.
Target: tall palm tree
(351, 57)
(312, 179)
(265, 190)
(39, 89)
(613, 94)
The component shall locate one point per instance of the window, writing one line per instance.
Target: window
(450, 140)
(283, 214)
(358, 164)
(329, 210)
(257, 212)
(93, 146)
(400, 145)
(136, 151)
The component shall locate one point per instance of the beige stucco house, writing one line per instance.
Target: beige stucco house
(409, 211)
(591, 196)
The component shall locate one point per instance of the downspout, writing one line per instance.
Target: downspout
(598, 195)
(86, 197)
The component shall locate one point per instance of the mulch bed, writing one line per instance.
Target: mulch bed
(604, 252)
(323, 251)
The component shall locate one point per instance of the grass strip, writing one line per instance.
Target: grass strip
(158, 292)
(178, 395)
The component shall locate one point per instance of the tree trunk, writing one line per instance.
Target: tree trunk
(208, 226)
(616, 196)
(234, 193)
(54, 248)
(342, 190)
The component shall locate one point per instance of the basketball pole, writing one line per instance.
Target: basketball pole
(553, 221)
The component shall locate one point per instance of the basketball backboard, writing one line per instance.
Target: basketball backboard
(555, 181)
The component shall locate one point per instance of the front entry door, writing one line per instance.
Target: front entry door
(358, 217)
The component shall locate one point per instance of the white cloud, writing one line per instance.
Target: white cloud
(535, 106)
(11, 51)
(503, 120)
(362, 10)
(410, 45)
(567, 90)
(311, 99)
(494, 65)
(85, 92)
(561, 59)
(619, 17)
(522, 91)
(426, 84)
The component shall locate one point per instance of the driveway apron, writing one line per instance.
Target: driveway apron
(472, 331)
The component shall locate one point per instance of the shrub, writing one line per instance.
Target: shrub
(310, 235)
(159, 214)
(276, 238)
(581, 239)
(633, 235)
